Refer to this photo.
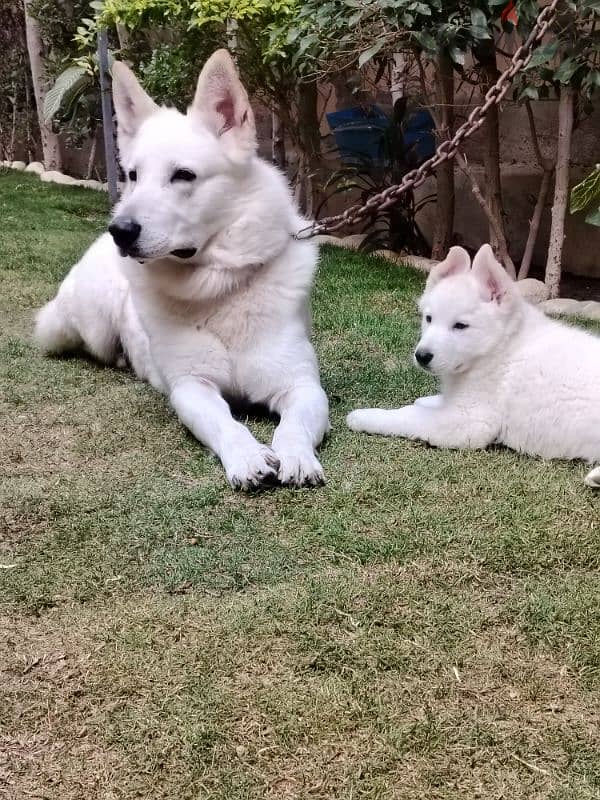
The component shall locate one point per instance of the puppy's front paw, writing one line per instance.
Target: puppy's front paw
(592, 479)
(361, 420)
(299, 468)
(252, 469)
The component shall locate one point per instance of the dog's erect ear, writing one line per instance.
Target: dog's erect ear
(223, 103)
(494, 281)
(132, 104)
(455, 262)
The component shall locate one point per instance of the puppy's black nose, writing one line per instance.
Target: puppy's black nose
(423, 357)
(124, 231)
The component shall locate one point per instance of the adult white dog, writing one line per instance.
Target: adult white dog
(200, 281)
(508, 373)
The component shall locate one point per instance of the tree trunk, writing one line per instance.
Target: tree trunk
(122, 36)
(444, 220)
(309, 144)
(92, 156)
(561, 190)
(547, 170)
(491, 163)
(50, 143)
(277, 141)
(534, 225)
(492, 219)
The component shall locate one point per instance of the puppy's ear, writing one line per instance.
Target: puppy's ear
(132, 104)
(223, 104)
(494, 282)
(456, 261)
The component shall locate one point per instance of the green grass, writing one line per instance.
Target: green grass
(425, 626)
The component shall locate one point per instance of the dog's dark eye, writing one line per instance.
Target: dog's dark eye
(428, 318)
(132, 175)
(460, 326)
(183, 175)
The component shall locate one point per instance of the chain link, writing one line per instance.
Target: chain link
(447, 149)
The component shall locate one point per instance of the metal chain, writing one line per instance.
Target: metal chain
(447, 148)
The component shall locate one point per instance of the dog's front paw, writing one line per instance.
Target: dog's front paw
(253, 468)
(297, 468)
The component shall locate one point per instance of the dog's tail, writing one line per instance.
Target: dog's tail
(593, 478)
(54, 333)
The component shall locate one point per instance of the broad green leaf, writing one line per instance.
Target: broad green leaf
(368, 54)
(478, 18)
(426, 40)
(529, 92)
(543, 54)
(566, 70)
(457, 55)
(594, 217)
(586, 193)
(68, 83)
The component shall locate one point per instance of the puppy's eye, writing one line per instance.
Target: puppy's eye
(460, 326)
(428, 318)
(132, 175)
(183, 175)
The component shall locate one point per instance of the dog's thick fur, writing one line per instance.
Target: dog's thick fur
(231, 320)
(509, 374)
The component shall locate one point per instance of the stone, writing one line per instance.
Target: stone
(420, 263)
(89, 183)
(533, 291)
(324, 238)
(53, 176)
(35, 166)
(561, 305)
(18, 165)
(391, 255)
(354, 241)
(590, 309)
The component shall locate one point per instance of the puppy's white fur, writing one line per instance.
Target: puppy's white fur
(233, 320)
(508, 373)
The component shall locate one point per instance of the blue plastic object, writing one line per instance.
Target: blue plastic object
(359, 133)
(419, 137)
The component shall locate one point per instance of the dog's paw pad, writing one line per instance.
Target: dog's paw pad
(300, 470)
(254, 470)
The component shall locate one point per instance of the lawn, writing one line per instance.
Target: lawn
(425, 626)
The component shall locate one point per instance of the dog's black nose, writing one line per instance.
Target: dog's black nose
(124, 231)
(423, 357)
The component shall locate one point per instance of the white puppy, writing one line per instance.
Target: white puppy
(201, 281)
(508, 373)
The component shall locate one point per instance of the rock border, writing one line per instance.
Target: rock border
(53, 176)
(534, 291)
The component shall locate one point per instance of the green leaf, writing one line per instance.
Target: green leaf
(68, 84)
(457, 55)
(566, 70)
(478, 18)
(426, 40)
(529, 92)
(543, 54)
(586, 193)
(368, 54)
(594, 217)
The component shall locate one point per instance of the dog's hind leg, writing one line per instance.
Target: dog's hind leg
(592, 479)
(200, 406)
(54, 332)
(304, 412)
